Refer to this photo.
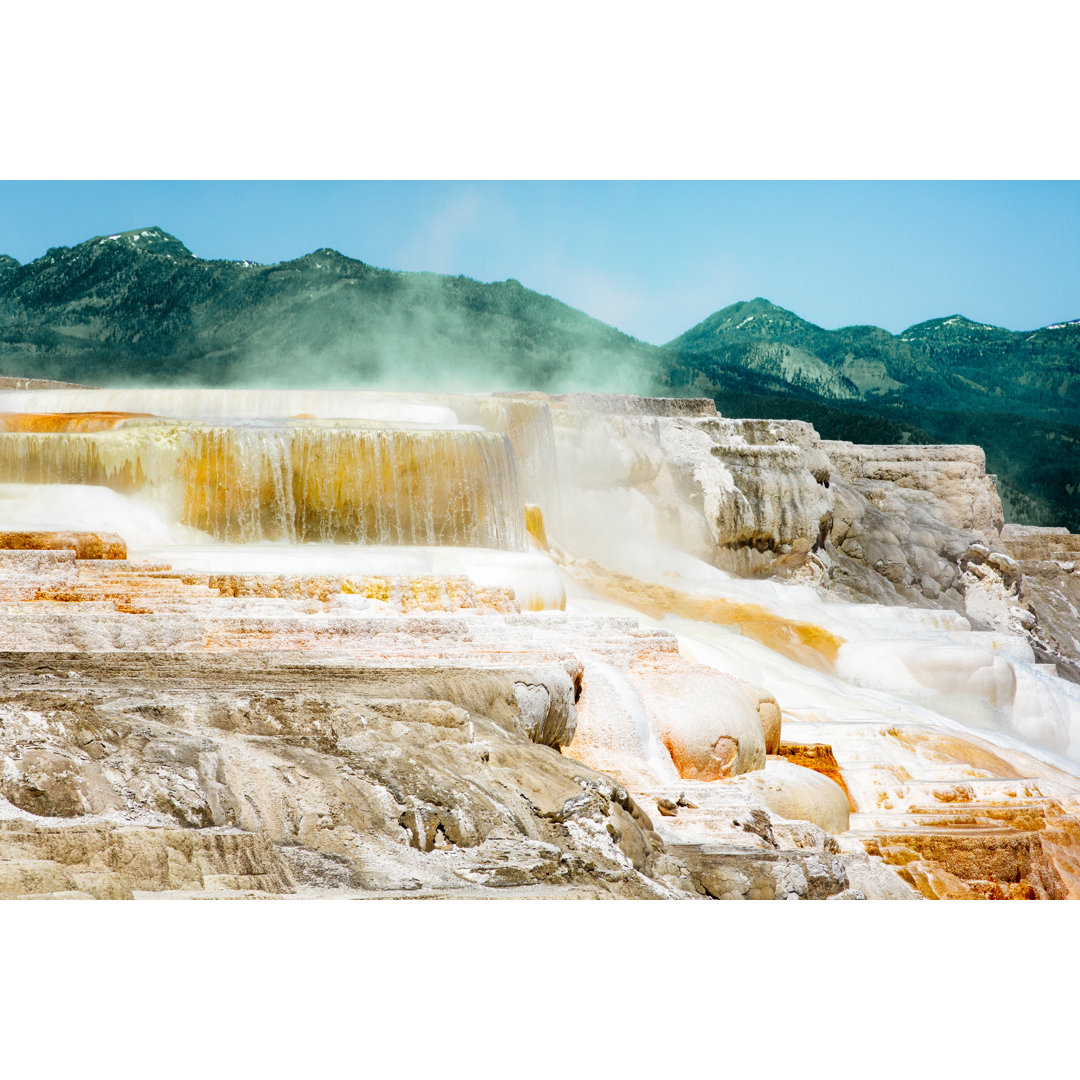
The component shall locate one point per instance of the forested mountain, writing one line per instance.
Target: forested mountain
(971, 363)
(1017, 394)
(138, 306)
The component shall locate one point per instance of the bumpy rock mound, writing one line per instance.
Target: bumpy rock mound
(374, 780)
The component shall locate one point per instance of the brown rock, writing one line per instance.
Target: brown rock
(86, 545)
(50, 783)
(816, 756)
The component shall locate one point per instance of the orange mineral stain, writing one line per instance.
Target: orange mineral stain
(805, 643)
(820, 758)
(61, 423)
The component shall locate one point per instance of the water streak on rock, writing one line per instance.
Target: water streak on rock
(804, 642)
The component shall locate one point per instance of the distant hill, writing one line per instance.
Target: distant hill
(1017, 394)
(139, 306)
(1029, 373)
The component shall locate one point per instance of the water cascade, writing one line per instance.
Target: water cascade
(526, 421)
(292, 481)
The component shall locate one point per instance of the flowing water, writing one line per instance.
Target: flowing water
(292, 480)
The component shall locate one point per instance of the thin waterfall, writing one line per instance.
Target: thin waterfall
(294, 481)
(526, 421)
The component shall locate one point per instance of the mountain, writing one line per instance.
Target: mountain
(946, 380)
(139, 305)
(1028, 373)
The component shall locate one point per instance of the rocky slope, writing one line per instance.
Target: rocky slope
(162, 732)
(895, 525)
(895, 528)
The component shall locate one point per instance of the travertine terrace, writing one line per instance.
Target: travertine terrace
(315, 643)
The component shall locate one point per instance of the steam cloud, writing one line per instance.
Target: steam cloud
(406, 331)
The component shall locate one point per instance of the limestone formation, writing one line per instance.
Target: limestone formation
(585, 645)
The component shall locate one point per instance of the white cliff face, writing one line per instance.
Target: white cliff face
(785, 657)
(954, 476)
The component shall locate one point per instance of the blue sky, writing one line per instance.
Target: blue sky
(653, 258)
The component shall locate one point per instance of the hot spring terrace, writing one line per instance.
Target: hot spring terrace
(240, 614)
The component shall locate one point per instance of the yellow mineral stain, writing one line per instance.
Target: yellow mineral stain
(534, 525)
(805, 643)
(299, 481)
(122, 460)
(1061, 845)
(86, 545)
(958, 793)
(998, 845)
(533, 602)
(1023, 818)
(993, 864)
(403, 593)
(953, 749)
(329, 484)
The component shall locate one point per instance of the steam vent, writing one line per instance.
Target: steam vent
(354, 643)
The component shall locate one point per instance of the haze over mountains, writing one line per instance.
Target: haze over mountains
(139, 306)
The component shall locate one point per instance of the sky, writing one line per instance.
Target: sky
(652, 258)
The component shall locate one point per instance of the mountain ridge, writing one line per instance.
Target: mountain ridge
(945, 379)
(761, 303)
(138, 302)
